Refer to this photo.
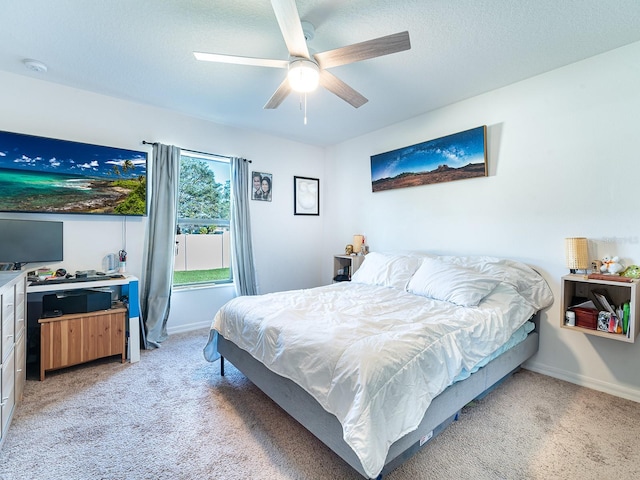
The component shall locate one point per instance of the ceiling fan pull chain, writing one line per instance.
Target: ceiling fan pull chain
(305, 108)
(303, 105)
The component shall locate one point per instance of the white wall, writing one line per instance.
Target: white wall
(282, 241)
(563, 161)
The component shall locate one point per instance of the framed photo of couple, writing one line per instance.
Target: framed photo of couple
(261, 185)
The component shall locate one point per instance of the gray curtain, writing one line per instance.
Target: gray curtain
(160, 243)
(242, 266)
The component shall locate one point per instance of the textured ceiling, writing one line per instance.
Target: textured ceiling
(141, 50)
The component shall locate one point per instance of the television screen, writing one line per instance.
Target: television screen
(45, 175)
(30, 241)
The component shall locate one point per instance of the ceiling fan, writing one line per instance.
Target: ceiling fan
(306, 71)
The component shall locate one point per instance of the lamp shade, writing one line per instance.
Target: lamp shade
(304, 75)
(576, 253)
(358, 240)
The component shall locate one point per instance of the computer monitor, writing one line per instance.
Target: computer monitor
(30, 241)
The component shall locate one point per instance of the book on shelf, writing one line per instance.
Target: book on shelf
(603, 301)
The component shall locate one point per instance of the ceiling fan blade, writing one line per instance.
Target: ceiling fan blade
(341, 89)
(291, 28)
(357, 52)
(279, 95)
(258, 62)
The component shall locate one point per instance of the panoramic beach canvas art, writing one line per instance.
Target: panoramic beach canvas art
(454, 157)
(46, 175)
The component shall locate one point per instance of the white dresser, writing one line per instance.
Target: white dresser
(13, 287)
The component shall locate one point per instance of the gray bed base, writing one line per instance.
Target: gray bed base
(326, 427)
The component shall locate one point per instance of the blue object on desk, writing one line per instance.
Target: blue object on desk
(131, 290)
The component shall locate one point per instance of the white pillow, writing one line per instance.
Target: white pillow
(450, 283)
(527, 282)
(387, 270)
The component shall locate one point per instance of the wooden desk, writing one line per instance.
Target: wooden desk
(81, 337)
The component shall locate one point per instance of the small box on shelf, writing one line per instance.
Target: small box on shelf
(585, 317)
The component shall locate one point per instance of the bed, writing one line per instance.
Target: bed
(378, 366)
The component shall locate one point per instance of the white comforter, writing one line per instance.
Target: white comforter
(373, 356)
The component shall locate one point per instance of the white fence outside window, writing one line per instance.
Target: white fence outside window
(202, 251)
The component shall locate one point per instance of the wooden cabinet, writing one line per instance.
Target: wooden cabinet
(349, 262)
(577, 286)
(126, 287)
(12, 347)
(78, 338)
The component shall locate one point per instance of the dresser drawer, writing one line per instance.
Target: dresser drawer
(21, 292)
(8, 335)
(8, 303)
(20, 354)
(8, 324)
(21, 308)
(8, 399)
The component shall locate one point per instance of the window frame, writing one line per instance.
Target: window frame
(220, 222)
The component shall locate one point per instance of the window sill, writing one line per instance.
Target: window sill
(201, 286)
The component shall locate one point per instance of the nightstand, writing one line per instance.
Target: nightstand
(349, 262)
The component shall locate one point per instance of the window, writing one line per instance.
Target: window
(202, 254)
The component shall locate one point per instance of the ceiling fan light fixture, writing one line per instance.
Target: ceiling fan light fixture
(304, 75)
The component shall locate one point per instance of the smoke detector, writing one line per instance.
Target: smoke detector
(34, 65)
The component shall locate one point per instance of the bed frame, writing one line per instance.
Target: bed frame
(326, 427)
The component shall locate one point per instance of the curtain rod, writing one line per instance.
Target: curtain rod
(144, 142)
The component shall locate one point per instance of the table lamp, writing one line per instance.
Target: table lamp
(576, 254)
(358, 240)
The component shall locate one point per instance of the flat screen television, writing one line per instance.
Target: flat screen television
(46, 175)
(30, 241)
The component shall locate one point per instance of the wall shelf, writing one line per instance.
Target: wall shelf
(575, 285)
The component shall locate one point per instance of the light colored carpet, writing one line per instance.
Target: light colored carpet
(172, 416)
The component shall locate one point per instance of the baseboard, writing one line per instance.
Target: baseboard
(588, 382)
(188, 327)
